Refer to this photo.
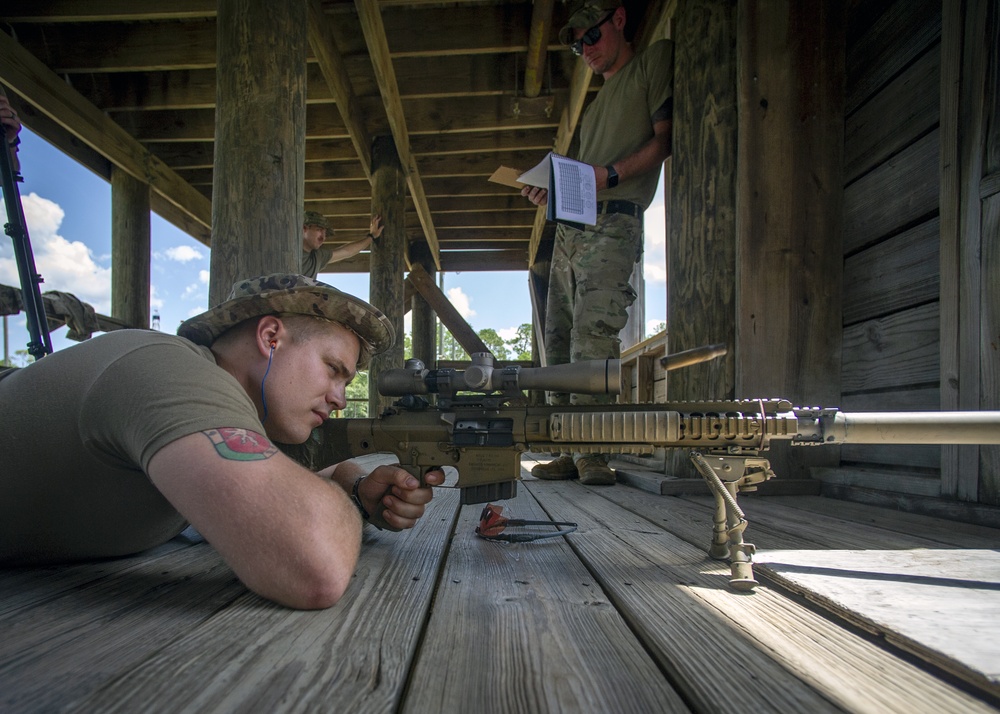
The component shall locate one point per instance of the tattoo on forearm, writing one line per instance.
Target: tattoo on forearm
(241, 444)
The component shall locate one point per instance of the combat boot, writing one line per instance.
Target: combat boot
(594, 472)
(557, 470)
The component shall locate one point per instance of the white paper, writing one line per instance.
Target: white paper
(572, 188)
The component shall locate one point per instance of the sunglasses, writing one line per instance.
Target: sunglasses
(492, 524)
(591, 37)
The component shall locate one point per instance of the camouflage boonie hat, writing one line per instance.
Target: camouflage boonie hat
(290, 294)
(316, 219)
(587, 14)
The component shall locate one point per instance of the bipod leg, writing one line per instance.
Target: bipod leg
(730, 521)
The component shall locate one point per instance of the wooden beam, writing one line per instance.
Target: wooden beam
(38, 85)
(324, 46)
(53, 11)
(538, 40)
(446, 312)
(378, 47)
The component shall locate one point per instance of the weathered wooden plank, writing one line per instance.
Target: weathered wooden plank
(254, 655)
(525, 628)
(892, 275)
(890, 352)
(945, 532)
(835, 533)
(894, 195)
(29, 586)
(906, 108)
(989, 346)
(68, 647)
(696, 624)
(903, 595)
(900, 34)
(920, 485)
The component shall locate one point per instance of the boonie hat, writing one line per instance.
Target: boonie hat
(587, 14)
(314, 218)
(290, 294)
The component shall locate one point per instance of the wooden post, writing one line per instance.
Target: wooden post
(701, 244)
(258, 181)
(388, 258)
(790, 220)
(422, 322)
(130, 249)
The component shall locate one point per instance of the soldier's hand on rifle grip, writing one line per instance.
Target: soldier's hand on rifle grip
(394, 498)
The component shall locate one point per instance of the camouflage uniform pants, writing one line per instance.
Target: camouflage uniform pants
(589, 292)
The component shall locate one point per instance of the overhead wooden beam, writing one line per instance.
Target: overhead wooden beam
(324, 46)
(108, 10)
(538, 46)
(378, 47)
(38, 85)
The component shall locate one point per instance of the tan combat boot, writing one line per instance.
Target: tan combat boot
(558, 470)
(594, 472)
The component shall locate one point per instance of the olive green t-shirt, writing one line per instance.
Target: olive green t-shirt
(79, 429)
(618, 121)
(315, 260)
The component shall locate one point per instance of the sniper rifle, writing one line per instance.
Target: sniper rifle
(481, 423)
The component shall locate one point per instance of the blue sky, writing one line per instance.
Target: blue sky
(68, 212)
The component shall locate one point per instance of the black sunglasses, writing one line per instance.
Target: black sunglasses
(590, 37)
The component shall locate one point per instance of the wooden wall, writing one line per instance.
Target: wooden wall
(902, 321)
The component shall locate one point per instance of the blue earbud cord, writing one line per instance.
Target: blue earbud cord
(263, 379)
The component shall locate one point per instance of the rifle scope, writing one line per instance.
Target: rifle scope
(602, 376)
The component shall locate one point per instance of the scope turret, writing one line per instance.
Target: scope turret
(602, 376)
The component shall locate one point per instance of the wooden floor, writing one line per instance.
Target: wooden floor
(625, 615)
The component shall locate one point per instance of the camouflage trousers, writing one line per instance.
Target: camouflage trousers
(589, 292)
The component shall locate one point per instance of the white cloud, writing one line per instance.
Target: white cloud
(652, 325)
(66, 266)
(461, 302)
(507, 333)
(203, 277)
(191, 291)
(155, 302)
(654, 272)
(183, 253)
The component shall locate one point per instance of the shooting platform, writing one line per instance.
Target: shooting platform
(625, 615)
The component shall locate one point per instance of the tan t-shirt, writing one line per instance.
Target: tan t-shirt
(79, 429)
(618, 121)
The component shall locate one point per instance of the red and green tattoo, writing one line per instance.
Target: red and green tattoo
(241, 444)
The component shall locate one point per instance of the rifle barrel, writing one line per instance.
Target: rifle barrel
(912, 428)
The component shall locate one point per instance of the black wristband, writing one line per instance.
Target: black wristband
(357, 502)
(612, 176)
(357, 499)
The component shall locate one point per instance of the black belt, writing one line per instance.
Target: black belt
(626, 207)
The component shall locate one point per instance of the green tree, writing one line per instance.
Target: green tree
(494, 342)
(357, 390)
(520, 344)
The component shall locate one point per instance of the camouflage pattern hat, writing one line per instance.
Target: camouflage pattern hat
(315, 219)
(587, 14)
(289, 294)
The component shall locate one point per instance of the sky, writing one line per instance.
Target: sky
(67, 209)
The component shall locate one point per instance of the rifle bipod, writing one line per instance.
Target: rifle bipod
(727, 475)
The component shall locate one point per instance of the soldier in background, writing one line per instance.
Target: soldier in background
(625, 136)
(316, 256)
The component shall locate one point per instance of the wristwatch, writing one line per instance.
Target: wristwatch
(612, 176)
